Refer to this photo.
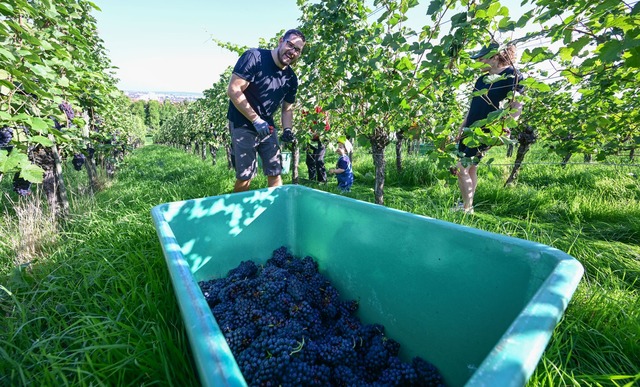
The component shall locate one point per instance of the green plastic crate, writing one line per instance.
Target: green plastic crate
(480, 306)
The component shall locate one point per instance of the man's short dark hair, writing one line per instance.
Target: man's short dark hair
(296, 33)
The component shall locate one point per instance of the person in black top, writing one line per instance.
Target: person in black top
(499, 65)
(261, 83)
(316, 148)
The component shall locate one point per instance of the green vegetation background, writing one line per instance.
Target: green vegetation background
(97, 306)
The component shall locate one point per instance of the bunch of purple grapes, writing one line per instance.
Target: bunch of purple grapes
(21, 186)
(287, 325)
(6, 134)
(78, 161)
(67, 110)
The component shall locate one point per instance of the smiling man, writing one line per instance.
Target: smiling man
(262, 82)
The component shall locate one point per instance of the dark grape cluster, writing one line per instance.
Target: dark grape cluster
(287, 326)
(67, 110)
(21, 186)
(57, 124)
(78, 161)
(6, 134)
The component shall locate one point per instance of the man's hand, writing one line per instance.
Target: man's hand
(262, 127)
(287, 135)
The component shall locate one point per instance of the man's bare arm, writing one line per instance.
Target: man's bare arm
(287, 115)
(235, 91)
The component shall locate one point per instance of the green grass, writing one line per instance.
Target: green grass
(96, 305)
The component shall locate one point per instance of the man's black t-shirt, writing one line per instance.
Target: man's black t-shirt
(268, 87)
(482, 105)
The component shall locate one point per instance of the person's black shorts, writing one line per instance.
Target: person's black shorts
(475, 153)
(245, 143)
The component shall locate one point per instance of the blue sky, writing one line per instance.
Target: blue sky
(162, 45)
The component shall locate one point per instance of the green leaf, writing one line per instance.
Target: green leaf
(435, 6)
(524, 20)
(536, 55)
(7, 54)
(405, 64)
(42, 71)
(602, 121)
(44, 141)
(6, 9)
(506, 24)
(56, 132)
(46, 45)
(6, 86)
(579, 44)
(32, 39)
(623, 23)
(459, 18)
(32, 173)
(22, 117)
(566, 53)
(610, 51)
(494, 115)
(532, 83)
(569, 75)
(51, 12)
(394, 20)
(39, 124)
(12, 162)
(606, 6)
(633, 58)
(494, 9)
(480, 92)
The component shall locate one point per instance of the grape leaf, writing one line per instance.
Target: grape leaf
(10, 163)
(38, 124)
(42, 141)
(435, 6)
(610, 51)
(32, 173)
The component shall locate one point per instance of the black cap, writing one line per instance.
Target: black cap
(492, 47)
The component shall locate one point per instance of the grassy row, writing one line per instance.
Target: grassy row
(95, 305)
